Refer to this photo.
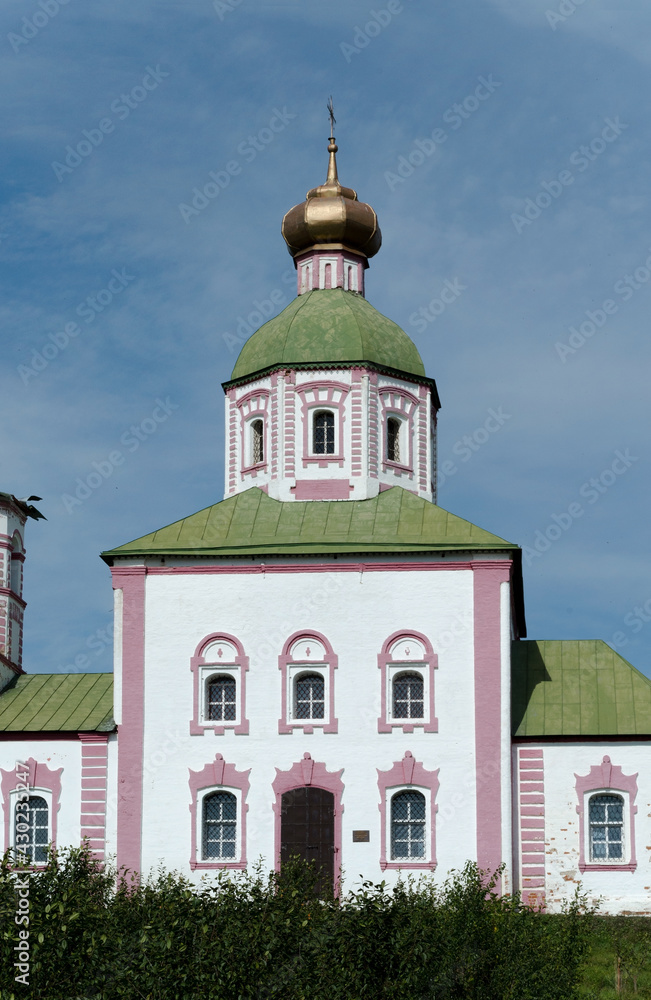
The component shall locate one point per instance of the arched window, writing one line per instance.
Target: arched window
(407, 826)
(393, 440)
(323, 436)
(309, 696)
(219, 827)
(408, 696)
(221, 698)
(606, 817)
(257, 442)
(31, 829)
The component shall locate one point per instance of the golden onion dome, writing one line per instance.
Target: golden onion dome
(331, 217)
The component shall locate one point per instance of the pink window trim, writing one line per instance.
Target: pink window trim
(606, 777)
(405, 413)
(309, 408)
(329, 665)
(197, 727)
(220, 777)
(256, 403)
(430, 664)
(40, 778)
(308, 773)
(407, 774)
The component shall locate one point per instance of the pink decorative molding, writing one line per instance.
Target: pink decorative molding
(397, 402)
(407, 774)
(309, 773)
(487, 580)
(289, 427)
(605, 778)
(276, 380)
(218, 776)
(198, 725)
(231, 458)
(94, 772)
(356, 418)
(216, 569)
(425, 666)
(326, 666)
(323, 395)
(254, 405)
(531, 811)
(330, 269)
(31, 777)
(322, 489)
(131, 580)
(373, 426)
(423, 426)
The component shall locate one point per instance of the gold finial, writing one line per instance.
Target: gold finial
(332, 178)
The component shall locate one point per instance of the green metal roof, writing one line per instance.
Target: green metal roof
(326, 326)
(61, 702)
(252, 523)
(577, 688)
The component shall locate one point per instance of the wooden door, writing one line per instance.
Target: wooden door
(307, 829)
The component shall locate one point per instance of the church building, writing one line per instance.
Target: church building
(326, 662)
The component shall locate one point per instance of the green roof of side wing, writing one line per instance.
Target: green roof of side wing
(252, 523)
(577, 688)
(61, 702)
(326, 326)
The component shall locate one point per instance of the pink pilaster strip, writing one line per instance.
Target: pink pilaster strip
(531, 775)
(487, 580)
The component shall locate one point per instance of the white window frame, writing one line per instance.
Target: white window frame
(335, 413)
(18, 795)
(294, 670)
(417, 667)
(213, 670)
(626, 833)
(250, 462)
(237, 792)
(427, 793)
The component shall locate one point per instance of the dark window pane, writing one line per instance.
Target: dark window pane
(407, 825)
(393, 439)
(606, 814)
(324, 433)
(408, 696)
(221, 699)
(257, 431)
(309, 697)
(219, 830)
(34, 824)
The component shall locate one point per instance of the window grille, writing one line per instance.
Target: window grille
(393, 439)
(31, 829)
(309, 700)
(408, 825)
(257, 432)
(219, 826)
(221, 699)
(606, 827)
(408, 698)
(324, 433)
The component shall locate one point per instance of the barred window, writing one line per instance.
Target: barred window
(606, 814)
(407, 826)
(408, 696)
(219, 826)
(257, 441)
(309, 697)
(393, 439)
(324, 433)
(221, 698)
(31, 829)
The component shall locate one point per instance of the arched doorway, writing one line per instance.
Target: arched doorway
(307, 830)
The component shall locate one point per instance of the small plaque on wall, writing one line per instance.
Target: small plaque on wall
(361, 836)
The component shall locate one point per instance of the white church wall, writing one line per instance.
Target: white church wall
(620, 886)
(51, 757)
(351, 610)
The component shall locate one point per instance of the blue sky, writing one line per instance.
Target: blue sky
(505, 148)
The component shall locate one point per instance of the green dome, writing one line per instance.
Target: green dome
(325, 326)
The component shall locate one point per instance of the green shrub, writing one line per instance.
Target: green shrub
(260, 935)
